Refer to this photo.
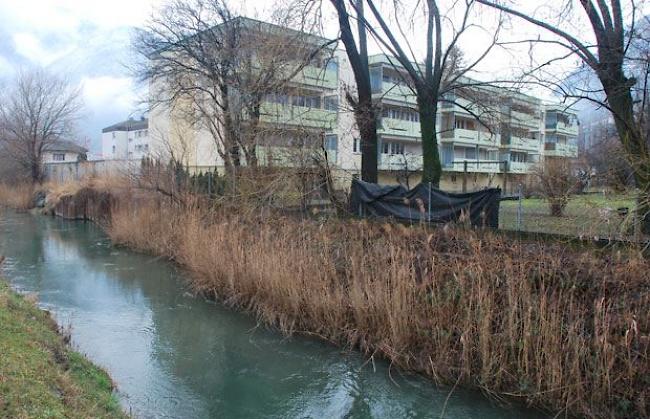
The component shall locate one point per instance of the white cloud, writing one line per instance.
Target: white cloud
(106, 92)
(31, 47)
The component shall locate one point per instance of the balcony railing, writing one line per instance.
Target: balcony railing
(458, 135)
(390, 126)
(519, 167)
(298, 116)
(397, 92)
(560, 150)
(324, 78)
(277, 156)
(474, 166)
(400, 162)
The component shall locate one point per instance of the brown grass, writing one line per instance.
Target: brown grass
(19, 196)
(566, 330)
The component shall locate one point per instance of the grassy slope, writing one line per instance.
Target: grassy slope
(585, 215)
(39, 376)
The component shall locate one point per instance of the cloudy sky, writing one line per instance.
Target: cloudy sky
(89, 43)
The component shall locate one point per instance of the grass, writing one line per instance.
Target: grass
(563, 329)
(40, 377)
(585, 216)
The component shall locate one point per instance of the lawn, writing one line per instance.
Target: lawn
(586, 216)
(40, 377)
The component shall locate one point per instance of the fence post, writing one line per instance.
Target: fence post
(464, 176)
(519, 207)
(505, 176)
(429, 217)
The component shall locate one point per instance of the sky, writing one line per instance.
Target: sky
(88, 42)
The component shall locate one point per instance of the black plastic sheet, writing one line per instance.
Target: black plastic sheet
(425, 204)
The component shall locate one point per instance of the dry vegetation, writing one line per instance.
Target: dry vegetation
(565, 329)
(18, 196)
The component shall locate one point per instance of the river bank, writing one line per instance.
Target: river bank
(559, 328)
(40, 376)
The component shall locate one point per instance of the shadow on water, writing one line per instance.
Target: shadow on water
(176, 355)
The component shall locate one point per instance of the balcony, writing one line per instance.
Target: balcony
(396, 92)
(277, 156)
(522, 119)
(298, 116)
(560, 150)
(519, 167)
(470, 137)
(400, 162)
(321, 78)
(520, 143)
(474, 166)
(399, 127)
(563, 128)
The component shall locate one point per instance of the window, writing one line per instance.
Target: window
(146, 148)
(138, 147)
(390, 147)
(58, 156)
(331, 142)
(331, 103)
(356, 145)
(464, 124)
(146, 132)
(113, 149)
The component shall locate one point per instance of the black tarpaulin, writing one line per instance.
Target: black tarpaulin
(371, 199)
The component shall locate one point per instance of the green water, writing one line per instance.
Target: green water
(174, 355)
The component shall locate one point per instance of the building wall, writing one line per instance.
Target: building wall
(48, 157)
(123, 145)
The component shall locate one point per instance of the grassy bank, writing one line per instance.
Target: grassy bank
(40, 377)
(566, 330)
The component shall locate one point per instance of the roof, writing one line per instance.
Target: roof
(64, 145)
(128, 125)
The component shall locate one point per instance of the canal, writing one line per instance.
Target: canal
(175, 355)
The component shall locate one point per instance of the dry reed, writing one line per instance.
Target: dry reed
(19, 196)
(563, 329)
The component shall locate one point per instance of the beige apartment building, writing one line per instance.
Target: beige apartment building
(513, 134)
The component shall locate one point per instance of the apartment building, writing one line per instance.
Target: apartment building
(515, 131)
(300, 114)
(561, 127)
(126, 140)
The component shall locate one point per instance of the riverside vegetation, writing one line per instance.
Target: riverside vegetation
(565, 329)
(40, 377)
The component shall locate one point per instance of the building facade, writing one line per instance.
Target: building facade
(63, 151)
(126, 140)
(513, 134)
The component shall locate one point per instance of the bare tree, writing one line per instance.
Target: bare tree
(365, 111)
(37, 110)
(609, 59)
(442, 71)
(557, 182)
(217, 70)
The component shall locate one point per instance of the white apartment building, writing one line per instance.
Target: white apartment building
(126, 140)
(517, 133)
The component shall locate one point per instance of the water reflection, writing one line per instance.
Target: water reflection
(174, 355)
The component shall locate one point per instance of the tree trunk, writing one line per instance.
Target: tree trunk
(431, 167)
(619, 98)
(364, 109)
(367, 122)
